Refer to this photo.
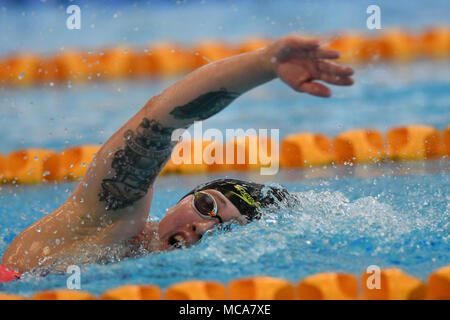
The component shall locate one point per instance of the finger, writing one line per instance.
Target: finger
(315, 89)
(324, 54)
(334, 68)
(300, 43)
(293, 45)
(333, 79)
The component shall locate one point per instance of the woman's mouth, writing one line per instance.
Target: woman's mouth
(176, 241)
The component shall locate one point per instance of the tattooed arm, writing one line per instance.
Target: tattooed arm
(112, 201)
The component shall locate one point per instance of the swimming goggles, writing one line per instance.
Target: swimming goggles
(206, 205)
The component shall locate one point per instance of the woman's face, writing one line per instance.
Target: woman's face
(184, 226)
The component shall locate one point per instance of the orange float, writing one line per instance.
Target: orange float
(210, 51)
(328, 286)
(438, 287)
(370, 51)
(253, 44)
(27, 166)
(414, 143)
(70, 164)
(215, 157)
(196, 290)
(19, 70)
(446, 141)
(76, 66)
(75, 160)
(435, 43)
(133, 292)
(398, 45)
(188, 157)
(6, 296)
(142, 64)
(205, 156)
(169, 168)
(305, 149)
(63, 294)
(261, 288)
(2, 169)
(349, 46)
(246, 153)
(359, 146)
(114, 63)
(169, 59)
(48, 72)
(393, 285)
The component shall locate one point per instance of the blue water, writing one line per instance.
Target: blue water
(346, 218)
(341, 223)
(54, 117)
(41, 26)
(383, 96)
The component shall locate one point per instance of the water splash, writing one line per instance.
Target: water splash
(343, 224)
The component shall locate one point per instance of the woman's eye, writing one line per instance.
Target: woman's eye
(205, 204)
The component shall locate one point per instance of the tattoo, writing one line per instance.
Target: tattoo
(205, 105)
(137, 165)
(146, 150)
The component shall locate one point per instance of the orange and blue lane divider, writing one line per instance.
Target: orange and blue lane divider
(169, 59)
(393, 284)
(299, 150)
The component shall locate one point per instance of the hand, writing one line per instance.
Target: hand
(300, 61)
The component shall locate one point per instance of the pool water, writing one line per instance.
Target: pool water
(345, 219)
(341, 223)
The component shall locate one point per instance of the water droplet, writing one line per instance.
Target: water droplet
(38, 229)
(46, 251)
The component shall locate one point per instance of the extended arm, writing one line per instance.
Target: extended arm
(112, 201)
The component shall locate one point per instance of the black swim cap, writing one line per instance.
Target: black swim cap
(248, 197)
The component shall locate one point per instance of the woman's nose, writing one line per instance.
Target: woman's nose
(199, 228)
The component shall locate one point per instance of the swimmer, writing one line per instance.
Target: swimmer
(107, 214)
